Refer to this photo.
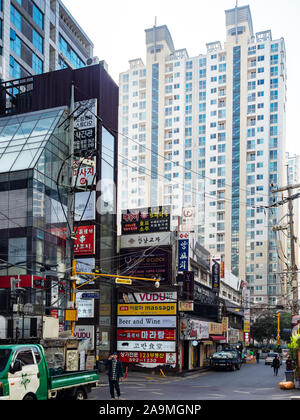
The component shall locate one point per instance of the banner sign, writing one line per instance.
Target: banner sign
(147, 357)
(84, 175)
(147, 309)
(216, 276)
(148, 263)
(146, 239)
(215, 328)
(193, 329)
(168, 346)
(183, 252)
(84, 208)
(145, 335)
(85, 125)
(147, 321)
(188, 219)
(148, 297)
(84, 243)
(146, 220)
(247, 338)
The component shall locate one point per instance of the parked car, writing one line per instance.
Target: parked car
(270, 357)
(226, 360)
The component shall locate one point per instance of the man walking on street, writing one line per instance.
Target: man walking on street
(115, 372)
(276, 365)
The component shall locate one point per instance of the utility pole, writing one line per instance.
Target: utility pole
(294, 268)
(70, 235)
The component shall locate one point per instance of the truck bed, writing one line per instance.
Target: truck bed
(71, 379)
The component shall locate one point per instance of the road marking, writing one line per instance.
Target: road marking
(242, 392)
(157, 393)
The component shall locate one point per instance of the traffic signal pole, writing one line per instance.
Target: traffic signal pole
(95, 276)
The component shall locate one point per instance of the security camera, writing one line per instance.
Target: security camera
(157, 284)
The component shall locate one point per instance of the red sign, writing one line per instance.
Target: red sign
(84, 243)
(25, 281)
(146, 335)
(147, 357)
(247, 338)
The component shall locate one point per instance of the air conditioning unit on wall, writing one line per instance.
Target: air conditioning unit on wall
(93, 60)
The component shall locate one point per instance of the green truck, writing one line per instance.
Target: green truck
(25, 375)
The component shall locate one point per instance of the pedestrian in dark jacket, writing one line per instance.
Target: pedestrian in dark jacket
(276, 365)
(289, 364)
(115, 373)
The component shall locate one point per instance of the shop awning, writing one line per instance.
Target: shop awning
(220, 338)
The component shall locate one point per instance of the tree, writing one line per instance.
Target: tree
(265, 327)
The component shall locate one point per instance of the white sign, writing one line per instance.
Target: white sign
(84, 208)
(145, 239)
(85, 307)
(147, 321)
(85, 333)
(150, 297)
(168, 346)
(188, 219)
(85, 265)
(84, 175)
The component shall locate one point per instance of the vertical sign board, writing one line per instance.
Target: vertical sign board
(188, 285)
(183, 251)
(216, 277)
(85, 125)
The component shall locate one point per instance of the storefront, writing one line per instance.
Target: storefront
(194, 345)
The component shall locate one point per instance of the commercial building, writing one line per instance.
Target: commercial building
(38, 183)
(208, 132)
(40, 36)
(182, 320)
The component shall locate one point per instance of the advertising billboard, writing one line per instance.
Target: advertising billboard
(145, 335)
(165, 346)
(147, 321)
(146, 220)
(84, 243)
(147, 357)
(147, 262)
(147, 309)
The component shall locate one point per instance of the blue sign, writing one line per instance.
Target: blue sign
(91, 295)
(183, 255)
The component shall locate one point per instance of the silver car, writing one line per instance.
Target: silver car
(270, 357)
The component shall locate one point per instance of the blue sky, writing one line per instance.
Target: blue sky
(116, 28)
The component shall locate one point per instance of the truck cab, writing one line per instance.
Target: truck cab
(23, 373)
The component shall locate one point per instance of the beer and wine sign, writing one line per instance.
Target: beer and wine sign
(147, 331)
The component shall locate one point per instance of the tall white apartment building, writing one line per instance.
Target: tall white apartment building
(38, 36)
(208, 132)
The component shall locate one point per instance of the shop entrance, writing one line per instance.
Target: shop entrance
(185, 364)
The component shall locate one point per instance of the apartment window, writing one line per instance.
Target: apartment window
(15, 17)
(71, 54)
(37, 16)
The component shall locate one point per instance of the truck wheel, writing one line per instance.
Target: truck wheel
(29, 397)
(80, 394)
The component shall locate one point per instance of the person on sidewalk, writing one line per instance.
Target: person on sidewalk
(257, 357)
(289, 364)
(276, 365)
(115, 373)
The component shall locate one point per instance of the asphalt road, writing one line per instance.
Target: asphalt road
(252, 382)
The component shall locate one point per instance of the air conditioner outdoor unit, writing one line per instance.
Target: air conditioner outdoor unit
(93, 60)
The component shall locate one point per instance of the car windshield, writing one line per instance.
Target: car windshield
(4, 356)
(272, 354)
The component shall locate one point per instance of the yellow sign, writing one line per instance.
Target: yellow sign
(185, 306)
(215, 328)
(147, 309)
(71, 315)
(246, 326)
(225, 321)
(123, 281)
